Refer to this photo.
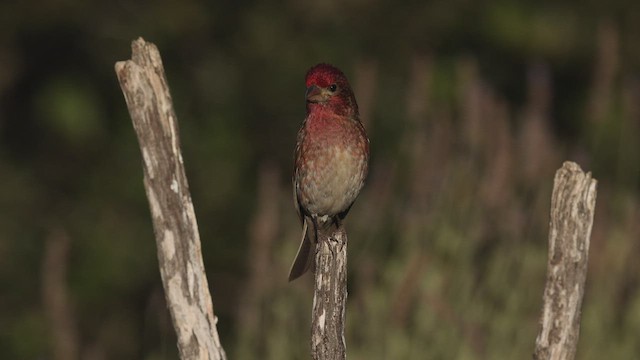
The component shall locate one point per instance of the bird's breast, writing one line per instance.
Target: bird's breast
(332, 165)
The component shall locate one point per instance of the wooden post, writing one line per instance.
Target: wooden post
(330, 297)
(146, 92)
(572, 207)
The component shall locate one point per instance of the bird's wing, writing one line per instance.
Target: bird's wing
(304, 257)
(294, 179)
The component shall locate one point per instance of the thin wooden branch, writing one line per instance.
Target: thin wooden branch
(146, 92)
(572, 207)
(330, 297)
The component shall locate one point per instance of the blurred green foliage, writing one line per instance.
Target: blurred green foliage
(470, 107)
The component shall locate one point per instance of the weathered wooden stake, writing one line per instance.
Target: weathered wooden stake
(146, 92)
(330, 297)
(572, 207)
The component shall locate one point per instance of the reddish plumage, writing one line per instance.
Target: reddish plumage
(331, 158)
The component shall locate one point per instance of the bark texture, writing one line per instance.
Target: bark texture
(146, 92)
(330, 297)
(572, 208)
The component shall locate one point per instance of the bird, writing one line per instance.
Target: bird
(331, 159)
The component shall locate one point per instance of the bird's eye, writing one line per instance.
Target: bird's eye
(333, 87)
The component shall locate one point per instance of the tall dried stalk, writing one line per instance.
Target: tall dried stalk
(55, 296)
(263, 234)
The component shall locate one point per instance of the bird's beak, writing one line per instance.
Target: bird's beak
(315, 94)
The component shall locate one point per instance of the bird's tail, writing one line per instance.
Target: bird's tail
(305, 257)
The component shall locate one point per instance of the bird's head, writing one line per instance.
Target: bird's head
(328, 89)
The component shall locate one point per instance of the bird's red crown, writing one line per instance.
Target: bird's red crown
(324, 75)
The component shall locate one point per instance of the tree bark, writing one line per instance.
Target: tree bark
(572, 207)
(146, 92)
(330, 296)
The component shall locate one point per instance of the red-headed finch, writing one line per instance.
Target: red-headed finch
(331, 159)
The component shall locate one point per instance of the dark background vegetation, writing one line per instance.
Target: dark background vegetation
(470, 106)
